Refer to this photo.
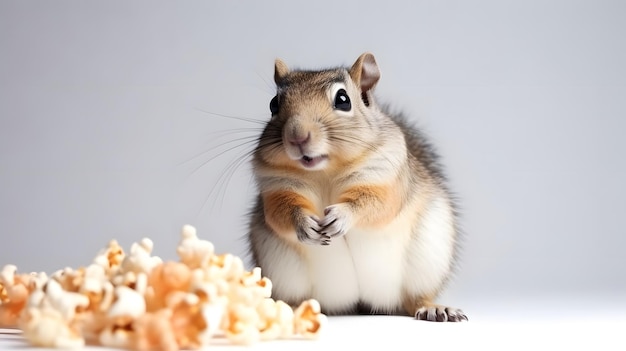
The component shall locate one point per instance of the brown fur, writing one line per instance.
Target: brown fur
(283, 208)
(376, 205)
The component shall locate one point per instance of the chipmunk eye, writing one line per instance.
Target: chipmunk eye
(342, 101)
(274, 105)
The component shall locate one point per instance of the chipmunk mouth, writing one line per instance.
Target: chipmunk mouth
(316, 162)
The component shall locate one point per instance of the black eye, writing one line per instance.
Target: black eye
(274, 105)
(342, 101)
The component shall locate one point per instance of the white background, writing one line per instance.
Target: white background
(107, 131)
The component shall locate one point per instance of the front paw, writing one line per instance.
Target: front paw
(337, 220)
(309, 231)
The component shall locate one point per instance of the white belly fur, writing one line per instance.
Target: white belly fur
(376, 266)
(334, 279)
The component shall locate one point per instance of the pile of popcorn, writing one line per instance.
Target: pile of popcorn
(136, 301)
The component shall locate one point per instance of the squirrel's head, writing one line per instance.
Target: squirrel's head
(323, 118)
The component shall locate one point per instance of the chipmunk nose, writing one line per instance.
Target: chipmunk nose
(299, 140)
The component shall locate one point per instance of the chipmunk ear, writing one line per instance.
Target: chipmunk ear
(365, 72)
(280, 70)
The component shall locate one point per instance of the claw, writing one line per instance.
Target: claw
(326, 225)
(455, 315)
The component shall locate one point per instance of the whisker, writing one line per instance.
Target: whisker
(271, 87)
(247, 141)
(250, 138)
(342, 138)
(244, 119)
(218, 190)
(223, 181)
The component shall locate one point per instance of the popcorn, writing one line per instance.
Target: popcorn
(253, 281)
(46, 327)
(224, 269)
(136, 281)
(153, 331)
(187, 320)
(13, 295)
(308, 319)
(137, 301)
(127, 308)
(212, 314)
(129, 303)
(48, 317)
(67, 303)
(276, 320)
(110, 257)
(193, 251)
(69, 278)
(97, 287)
(165, 279)
(139, 259)
(242, 325)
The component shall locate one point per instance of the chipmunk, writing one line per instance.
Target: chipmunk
(353, 209)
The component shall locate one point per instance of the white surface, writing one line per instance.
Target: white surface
(556, 324)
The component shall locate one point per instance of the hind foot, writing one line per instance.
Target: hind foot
(437, 313)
